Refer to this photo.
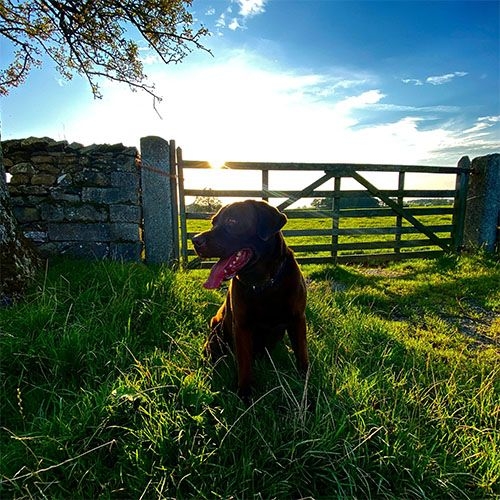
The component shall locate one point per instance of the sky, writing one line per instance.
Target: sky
(410, 82)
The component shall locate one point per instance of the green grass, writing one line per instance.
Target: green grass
(105, 394)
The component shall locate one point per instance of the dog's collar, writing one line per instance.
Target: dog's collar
(264, 285)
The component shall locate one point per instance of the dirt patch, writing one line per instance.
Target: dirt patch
(478, 323)
(383, 273)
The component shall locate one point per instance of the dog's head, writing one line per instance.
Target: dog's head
(240, 232)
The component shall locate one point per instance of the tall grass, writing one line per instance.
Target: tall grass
(105, 393)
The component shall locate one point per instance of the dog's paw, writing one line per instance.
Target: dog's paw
(245, 394)
(215, 347)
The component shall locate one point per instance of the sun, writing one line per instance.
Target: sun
(217, 163)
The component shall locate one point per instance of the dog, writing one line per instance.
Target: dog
(267, 292)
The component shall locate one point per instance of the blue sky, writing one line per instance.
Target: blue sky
(412, 82)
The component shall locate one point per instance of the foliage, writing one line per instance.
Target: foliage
(357, 202)
(428, 202)
(96, 38)
(205, 204)
(105, 393)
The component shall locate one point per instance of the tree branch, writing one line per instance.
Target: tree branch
(89, 37)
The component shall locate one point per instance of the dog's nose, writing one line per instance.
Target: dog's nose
(199, 240)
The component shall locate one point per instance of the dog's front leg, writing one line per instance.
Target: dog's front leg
(244, 354)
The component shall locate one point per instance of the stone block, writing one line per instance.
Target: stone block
(109, 196)
(43, 179)
(18, 179)
(127, 162)
(125, 180)
(126, 251)
(26, 214)
(37, 190)
(48, 249)
(57, 145)
(92, 178)
(125, 213)
(17, 201)
(37, 237)
(84, 161)
(28, 191)
(62, 195)
(84, 250)
(67, 159)
(48, 168)
(65, 180)
(35, 143)
(124, 232)
(52, 213)
(49, 159)
(85, 213)
(67, 231)
(22, 168)
(89, 149)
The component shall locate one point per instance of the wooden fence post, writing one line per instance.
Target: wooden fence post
(483, 204)
(399, 217)
(335, 219)
(265, 184)
(459, 204)
(182, 208)
(159, 206)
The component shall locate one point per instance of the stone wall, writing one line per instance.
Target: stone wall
(76, 200)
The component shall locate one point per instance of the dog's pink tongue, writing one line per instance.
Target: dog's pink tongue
(227, 268)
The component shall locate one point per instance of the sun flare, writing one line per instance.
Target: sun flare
(217, 163)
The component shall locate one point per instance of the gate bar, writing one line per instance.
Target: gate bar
(437, 241)
(308, 190)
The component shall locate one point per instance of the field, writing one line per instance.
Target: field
(105, 393)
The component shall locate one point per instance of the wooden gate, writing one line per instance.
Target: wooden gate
(337, 231)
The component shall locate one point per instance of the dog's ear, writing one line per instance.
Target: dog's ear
(269, 220)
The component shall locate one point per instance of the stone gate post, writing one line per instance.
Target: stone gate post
(158, 204)
(482, 215)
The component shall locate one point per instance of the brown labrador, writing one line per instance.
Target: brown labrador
(267, 292)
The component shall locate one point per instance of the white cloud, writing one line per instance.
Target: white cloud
(435, 80)
(489, 119)
(251, 7)
(150, 58)
(246, 10)
(482, 124)
(221, 21)
(441, 79)
(234, 24)
(413, 81)
(362, 100)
